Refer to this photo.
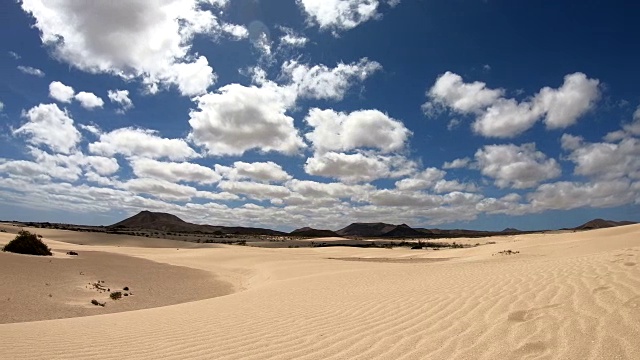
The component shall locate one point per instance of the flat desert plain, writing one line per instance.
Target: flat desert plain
(572, 295)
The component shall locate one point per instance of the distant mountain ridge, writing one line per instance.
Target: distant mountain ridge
(310, 232)
(601, 224)
(148, 220)
(157, 221)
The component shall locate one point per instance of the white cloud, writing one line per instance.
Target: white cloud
(514, 166)
(89, 100)
(606, 160)
(451, 91)
(424, 180)
(563, 106)
(133, 142)
(15, 55)
(93, 129)
(58, 166)
(322, 82)
(257, 171)
(31, 71)
(193, 78)
(160, 189)
(358, 167)
(570, 142)
(338, 15)
(254, 190)
(291, 38)
(497, 116)
(338, 131)
(173, 171)
(506, 118)
(566, 195)
(240, 118)
(237, 32)
(1, 106)
(120, 97)
(629, 129)
(130, 38)
(457, 163)
(314, 189)
(50, 126)
(61, 92)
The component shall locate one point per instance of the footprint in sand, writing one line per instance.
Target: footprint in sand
(633, 303)
(529, 314)
(601, 288)
(531, 348)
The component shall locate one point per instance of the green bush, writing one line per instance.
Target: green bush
(27, 243)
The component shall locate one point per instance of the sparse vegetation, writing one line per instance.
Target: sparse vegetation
(97, 303)
(27, 243)
(72, 253)
(507, 252)
(116, 295)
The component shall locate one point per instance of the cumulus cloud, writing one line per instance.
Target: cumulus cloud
(457, 163)
(358, 167)
(120, 97)
(254, 190)
(174, 171)
(134, 142)
(322, 82)
(150, 40)
(257, 171)
(239, 118)
(451, 91)
(48, 125)
(339, 131)
(31, 71)
(605, 160)
(423, 180)
(563, 106)
(340, 15)
(567, 195)
(68, 167)
(160, 189)
(515, 166)
(61, 92)
(497, 116)
(89, 100)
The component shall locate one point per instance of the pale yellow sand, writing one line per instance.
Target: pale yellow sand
(563, 296)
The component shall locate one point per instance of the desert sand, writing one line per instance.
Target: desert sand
(559, 296)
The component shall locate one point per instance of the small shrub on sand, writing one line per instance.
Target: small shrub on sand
(115, 295)
(27, 243)
(97, 303)
(72, 253)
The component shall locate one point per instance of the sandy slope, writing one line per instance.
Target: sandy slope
(564, 296)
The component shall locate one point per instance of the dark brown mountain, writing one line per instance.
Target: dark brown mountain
(378, 230)
(148, 220)
(601, 224)
(310, 232)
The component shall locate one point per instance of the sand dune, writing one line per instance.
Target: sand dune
(562, 296)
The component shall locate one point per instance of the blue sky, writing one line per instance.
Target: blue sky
(283, 114)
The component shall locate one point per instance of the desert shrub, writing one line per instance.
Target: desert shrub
(97, 303)
(27, 243)
(115, 295)
(72, 253)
